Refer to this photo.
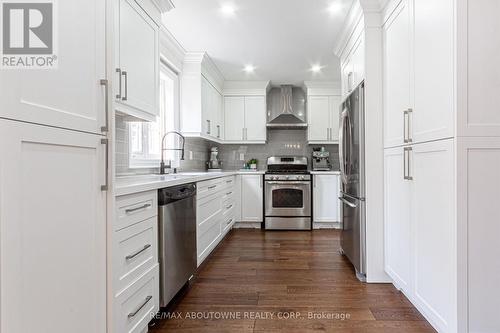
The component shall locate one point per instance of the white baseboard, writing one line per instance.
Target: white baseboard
(247, 225)
(327, 225)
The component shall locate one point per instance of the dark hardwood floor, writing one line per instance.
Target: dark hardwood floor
(287, 282)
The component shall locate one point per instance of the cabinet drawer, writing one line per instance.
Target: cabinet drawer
(136, 305)
(208, 240)
(134, 208)
(209, 187)
(228, 206)
(227, 223)
(208, 208)
(136, 251)
(229, 181)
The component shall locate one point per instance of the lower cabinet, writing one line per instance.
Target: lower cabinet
(53, 230)
(215, 209)
(420, 228)
(135, 261)
(252, 198)
(326, 204)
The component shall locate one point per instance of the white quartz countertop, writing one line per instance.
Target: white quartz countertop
(332, 172)
(140, 183)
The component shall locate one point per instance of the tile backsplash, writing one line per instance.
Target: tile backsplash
(197, 151)
(280, 142)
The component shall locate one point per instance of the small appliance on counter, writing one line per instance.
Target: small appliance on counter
(214, 164)
(321, 160)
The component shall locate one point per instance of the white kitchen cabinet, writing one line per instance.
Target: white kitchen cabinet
(211, 109)
(53, 222)
(478, 229)
(434, 108)
(418, 84)
(420, 232)
(396, 32)
(252, 198)
(234, 118)
(255, 119)
(245, 119)
(71, 95)
(201, 98)
(323, 119)
(326, 205)
(397, 217)
(353, 66)
(137, 61)
(434, 232)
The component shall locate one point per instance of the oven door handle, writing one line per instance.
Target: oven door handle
(287, 183)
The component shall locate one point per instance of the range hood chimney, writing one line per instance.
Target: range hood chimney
(286, 107)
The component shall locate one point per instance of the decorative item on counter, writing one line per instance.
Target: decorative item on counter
(253, 163)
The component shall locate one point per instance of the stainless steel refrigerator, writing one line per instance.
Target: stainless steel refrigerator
(352, 170)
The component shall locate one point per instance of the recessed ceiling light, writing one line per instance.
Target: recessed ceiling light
(316, 68)
(249, 68)
(228, 9)
(335, 7)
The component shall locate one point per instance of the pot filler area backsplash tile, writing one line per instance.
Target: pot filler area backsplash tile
(280, 142)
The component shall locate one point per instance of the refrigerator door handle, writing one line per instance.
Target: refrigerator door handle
(341, 146)
(348, 203)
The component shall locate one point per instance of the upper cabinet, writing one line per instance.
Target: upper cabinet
(136, 88)
(353, 64)
(72, 95)
(417, 108)
(396, 76)
(245, 112)
(245, 119)
(201, 98)
(323, 112)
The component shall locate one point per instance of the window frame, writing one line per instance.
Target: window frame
(145, 159)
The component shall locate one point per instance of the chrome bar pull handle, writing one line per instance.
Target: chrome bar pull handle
(350, 204)
(135, 254)
(125, 75)
(409, 132)
(131, 210)
(106, 163)
(410, 151)
(105, 128)
(218, 131)
(208, 126)
(133, 314)
(405, 116)
(119, 71)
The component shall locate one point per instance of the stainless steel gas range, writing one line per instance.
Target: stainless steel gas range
(287, 194)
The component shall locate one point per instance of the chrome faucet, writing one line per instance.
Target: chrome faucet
(162, 163)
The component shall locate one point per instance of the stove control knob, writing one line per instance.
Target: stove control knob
(302, 178)
(287, 177)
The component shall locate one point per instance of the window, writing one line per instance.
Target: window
(145, 137)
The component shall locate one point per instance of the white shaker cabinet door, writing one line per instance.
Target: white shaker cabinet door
(396, 76)
(335, 103)
(53, 222)
(434, 107)
(326, 205)
(255, 118)
(434, 232)
(71, 95)
(252, 193)
(138, 61)
(397, 225)
(319, 118)
(234, 118)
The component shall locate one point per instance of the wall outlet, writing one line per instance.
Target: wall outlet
(242, 157)
(191, 155)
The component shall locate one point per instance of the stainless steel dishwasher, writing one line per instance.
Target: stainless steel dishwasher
(177, 238)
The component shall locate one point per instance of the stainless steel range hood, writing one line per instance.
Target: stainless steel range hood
(286, 107)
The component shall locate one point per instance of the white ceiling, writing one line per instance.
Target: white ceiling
(281, 38)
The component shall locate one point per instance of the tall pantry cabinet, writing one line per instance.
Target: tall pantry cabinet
(442, 154)
(53, 176)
